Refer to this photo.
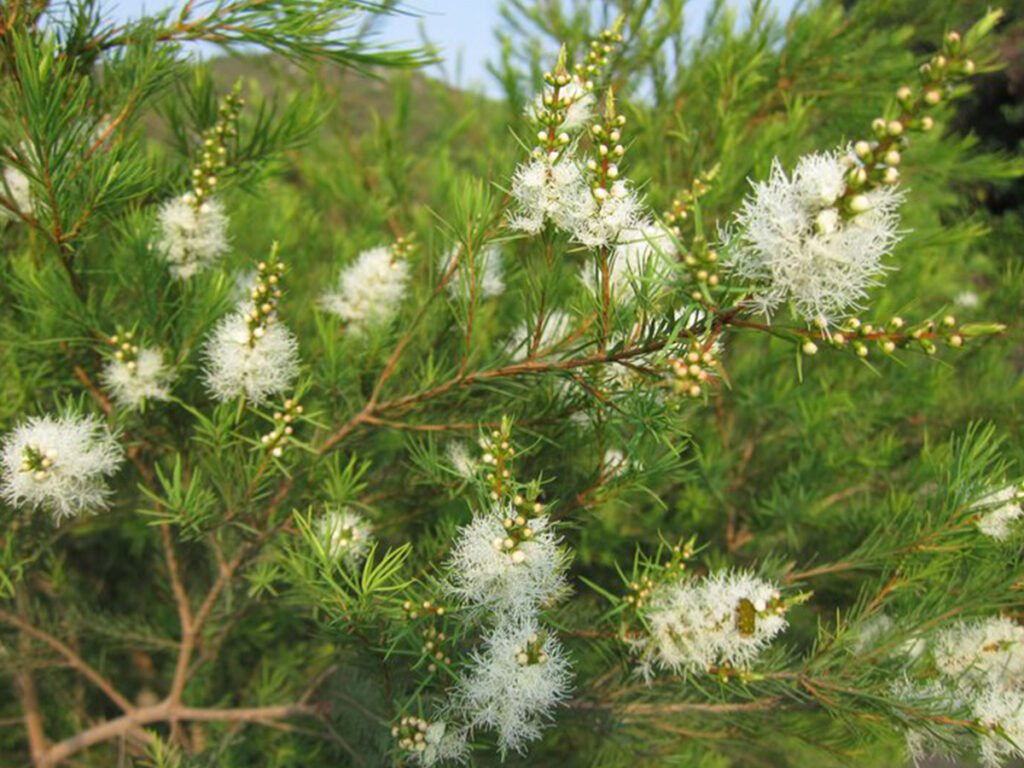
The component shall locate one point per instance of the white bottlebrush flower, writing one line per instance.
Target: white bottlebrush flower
(443, 744)
(192, 238)
(15, 188)
(981, 654)
(460, 460)
(607, 221)
(549, 191)
(59, 464)
(237, 364)
(577, 100)
(428, 742)
(508, 562)
(1001, 712)
(999, 511)
(486, 270)
(529, 341)
(793, 244)
(516, 681)
(726, 618)
(931, 697)
(614, 463)
(646, 250)
(870, 632)
(370, 290)
(133, 381)
(967, 300)
(242, 283)
(345, 536)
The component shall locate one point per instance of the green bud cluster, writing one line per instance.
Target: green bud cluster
(37, 462)
(878, 158)
(125, 349)
(887, 337)
(606, 150)
(265, 294)
(213, 154)
(533, 652)
(692, 370)
(274, 440)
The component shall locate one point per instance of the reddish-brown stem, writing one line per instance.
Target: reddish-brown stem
(164, 712)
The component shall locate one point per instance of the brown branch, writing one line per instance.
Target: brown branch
(29, 695)
(164, 712)
(75, 661)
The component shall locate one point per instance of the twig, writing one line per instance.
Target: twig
(73, 659)
(164, 712)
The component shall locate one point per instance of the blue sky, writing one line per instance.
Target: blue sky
(463, 28)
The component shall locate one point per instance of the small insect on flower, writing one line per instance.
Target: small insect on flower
(193, 237)
(726, 618)
(999, 510)
(486, 270)
(547, 190)
(136, 374)
(59, 464)
(345, 536)
(515, 682)
(508, 562)
(370, 290)
(794, 241)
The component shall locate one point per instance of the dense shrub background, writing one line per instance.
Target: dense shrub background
(776, 468)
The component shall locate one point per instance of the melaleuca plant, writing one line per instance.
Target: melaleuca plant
(497, 437)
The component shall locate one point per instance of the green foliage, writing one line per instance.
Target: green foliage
(210, 601)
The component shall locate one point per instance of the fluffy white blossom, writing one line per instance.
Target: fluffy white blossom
(131, 382)
(508, 562)
(726, 618)
(999, 511)
(793, 243)
(59, 464)
(525, 341)
(345, 536)
(370, 290)
(239, 364)
(967, 300)
(609, 220)
(981, 653)
(429, 743)
(192, 238)
(870, 632)
(614, 463)
(577, 100)
(981, 670)
(515, 682)
(548, 190)
(1002, 713)
(460, 460)
(16, 189)
(486, 269)
(931, 697)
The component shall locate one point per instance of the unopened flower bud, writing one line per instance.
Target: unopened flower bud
(860, 203)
